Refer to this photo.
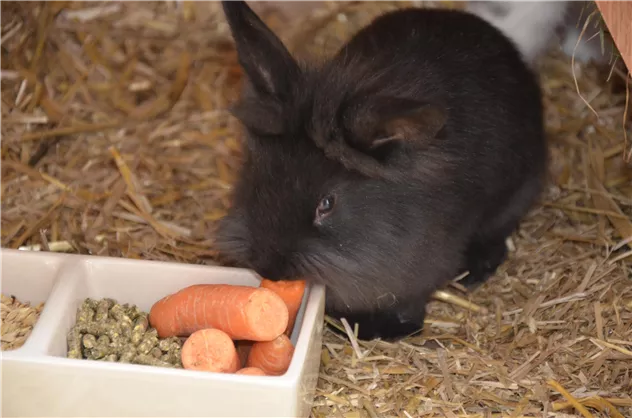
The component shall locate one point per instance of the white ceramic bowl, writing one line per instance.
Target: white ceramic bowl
(38, 379)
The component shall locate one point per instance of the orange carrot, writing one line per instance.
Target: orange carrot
(252, 371)
(291, 291)
(273, 357)
(243, 312)
(210, 350)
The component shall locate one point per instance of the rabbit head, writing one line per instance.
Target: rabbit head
(331, 188)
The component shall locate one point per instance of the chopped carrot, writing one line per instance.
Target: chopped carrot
(243, 312)
(252, 371)
(273, 357)
(210, 350)
(291, 291)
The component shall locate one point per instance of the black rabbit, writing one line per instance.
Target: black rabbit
(385, 172)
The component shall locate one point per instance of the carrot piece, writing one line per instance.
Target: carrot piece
(273, 357)
(291, 291)
(252, 371)
(210, 350)
(243, 312)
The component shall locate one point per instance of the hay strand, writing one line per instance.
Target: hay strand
(571, 399)
(450, 298)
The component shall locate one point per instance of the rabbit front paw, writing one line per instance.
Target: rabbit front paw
(482, 261)
(389, 326)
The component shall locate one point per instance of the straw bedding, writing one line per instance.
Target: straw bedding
(116, 141)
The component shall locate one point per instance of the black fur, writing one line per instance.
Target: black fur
(427, 130)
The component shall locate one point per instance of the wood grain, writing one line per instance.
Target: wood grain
(618, 18)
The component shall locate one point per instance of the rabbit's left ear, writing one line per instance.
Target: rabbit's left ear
(381, 133)
(265, 60)
(377, 125)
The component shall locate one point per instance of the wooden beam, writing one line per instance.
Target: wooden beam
(618, 18)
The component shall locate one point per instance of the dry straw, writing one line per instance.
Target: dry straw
(116, 141)
(18, 319)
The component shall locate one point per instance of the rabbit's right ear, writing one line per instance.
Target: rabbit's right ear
(266, 61)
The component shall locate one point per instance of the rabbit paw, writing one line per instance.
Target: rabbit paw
(483, 259)
(387, 326)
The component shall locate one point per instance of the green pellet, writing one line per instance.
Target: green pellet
(74, 344)
(108, 331)
(139, 329)
(151, 361)
(148, 342)
(103, 308)
(89, 341)
(127, 356)
(156, 352)
(85, 313)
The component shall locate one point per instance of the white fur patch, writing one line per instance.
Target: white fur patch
(530, 25)
(533, 26)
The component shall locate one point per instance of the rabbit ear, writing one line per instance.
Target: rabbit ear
(378, 125)
(263, 118)
(265, 60)
(410, 122)
(381, 134)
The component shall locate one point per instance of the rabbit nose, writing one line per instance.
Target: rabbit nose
(269, 263)
(270, 273)
(275, 268)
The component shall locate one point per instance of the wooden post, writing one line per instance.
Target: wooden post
(618, 18)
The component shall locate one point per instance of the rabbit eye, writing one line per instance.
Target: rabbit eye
(325, 206)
